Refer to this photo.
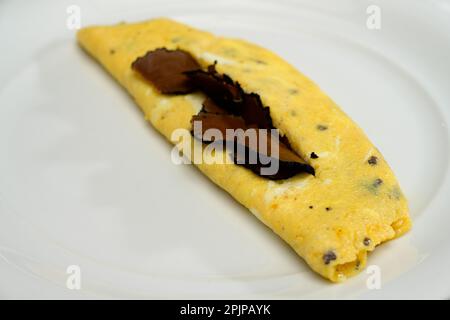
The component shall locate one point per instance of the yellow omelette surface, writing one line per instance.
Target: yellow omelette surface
(344, 210)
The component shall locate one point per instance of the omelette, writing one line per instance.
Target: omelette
(340, 204)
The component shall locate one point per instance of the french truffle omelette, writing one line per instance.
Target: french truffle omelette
(334, 197)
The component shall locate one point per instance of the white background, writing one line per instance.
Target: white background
(85, 181)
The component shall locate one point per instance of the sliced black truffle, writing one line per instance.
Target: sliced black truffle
(254, 113)
(227, 106)
(220, 88)
(165, 69)
(228, 95)
(286, 169)
(210, 106)
(216, 121)
(290, 163)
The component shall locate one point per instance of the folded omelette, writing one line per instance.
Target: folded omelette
(331, 218)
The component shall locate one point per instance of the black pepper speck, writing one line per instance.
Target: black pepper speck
(258, 61)
(328, 208)
(367, 241)
(314, 155)
(377, 182)
(311, 207)
(328, 257)
(321, 127)
(373, 160)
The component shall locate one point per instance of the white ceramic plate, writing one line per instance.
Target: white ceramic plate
(85, 181)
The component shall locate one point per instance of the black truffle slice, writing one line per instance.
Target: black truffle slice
(227, 107)
(221, 89)
(289, 163)
(165, 69)
(254, 113)
(224, 93)
(228, 95)
(217, 121)
(286, 169)
(210, 106)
